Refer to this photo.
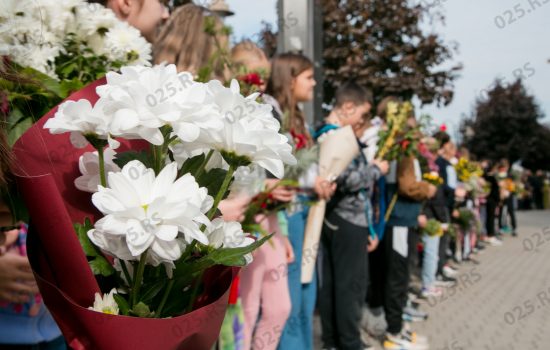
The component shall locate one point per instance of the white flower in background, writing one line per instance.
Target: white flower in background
(58, 15)
(124, 43)
(249, 131)
(88, 164)
(80, 118)
(227, 235)
(105, 304)
(156, 213)
(34, 33)
(93, 20)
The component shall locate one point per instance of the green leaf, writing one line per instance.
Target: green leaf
(213, 180)
(18, 130)
(68, 86)
(152, 290)
(82, 234)
(121, 159)
(222, 256)
(123, 305)
(192, 165)
(100, 266)
(141, 310)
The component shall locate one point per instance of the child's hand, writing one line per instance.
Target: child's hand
(324, 188)
(16, 279)
(233, 209)
(382, 164)
(280, 193)
(373, 244)
(289, 250)
(422, 221)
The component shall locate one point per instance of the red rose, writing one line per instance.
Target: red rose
(405, 144)
(300, 140)
(251, 79)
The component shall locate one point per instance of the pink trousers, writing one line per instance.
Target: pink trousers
(264, 292)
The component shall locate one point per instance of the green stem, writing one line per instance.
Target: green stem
(126, 273)
(221, 192)
(195, 292)
(164, 298)
(102, 166)
(138, 278)
(204, 163)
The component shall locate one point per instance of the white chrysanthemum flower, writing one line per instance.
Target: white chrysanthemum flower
(93, 19)
(105, 304)
(80, 119)
(88, 164)
(58, 15)
(249, 131)
(125, 43)
(227, 235)
(143, 99)
(156, 213)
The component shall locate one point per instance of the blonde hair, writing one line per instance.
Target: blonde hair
(184, 41)
(248, 54)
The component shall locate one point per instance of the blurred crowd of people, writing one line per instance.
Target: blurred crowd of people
(412, 217)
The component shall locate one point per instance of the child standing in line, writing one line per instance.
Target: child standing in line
(291, 82)
(345, 231)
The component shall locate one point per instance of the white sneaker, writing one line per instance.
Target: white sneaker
(450, 272)
(494, 241)
(432, 292)
(404, 341)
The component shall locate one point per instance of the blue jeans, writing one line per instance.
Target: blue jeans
(430, 260)
(298, 331)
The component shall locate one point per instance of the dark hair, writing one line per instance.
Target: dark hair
(284, 69)
(442, 137)
(352, 92)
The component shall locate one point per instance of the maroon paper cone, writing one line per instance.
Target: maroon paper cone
(46, 167)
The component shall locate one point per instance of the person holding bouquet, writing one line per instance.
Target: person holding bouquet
(446, 153)
(265, 279)
(391, 285)
(346, 236)
(290, 83)
(435, 210)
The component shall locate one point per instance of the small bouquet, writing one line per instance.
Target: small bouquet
(397, 139)
(52, 48)
(433, 178)
(251, 81)
(466, 169)
(264, 204)
(153, 237)
(465, 220)
(433, 228)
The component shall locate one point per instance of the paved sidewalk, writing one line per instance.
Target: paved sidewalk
(501, 304)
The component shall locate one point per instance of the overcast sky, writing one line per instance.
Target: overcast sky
(493, 42)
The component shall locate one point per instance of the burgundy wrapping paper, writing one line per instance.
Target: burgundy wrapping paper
(46, 166)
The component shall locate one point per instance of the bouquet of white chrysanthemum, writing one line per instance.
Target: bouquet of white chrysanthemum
(52, 48)
(59, 37)
(159, 206)
(159, 228)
